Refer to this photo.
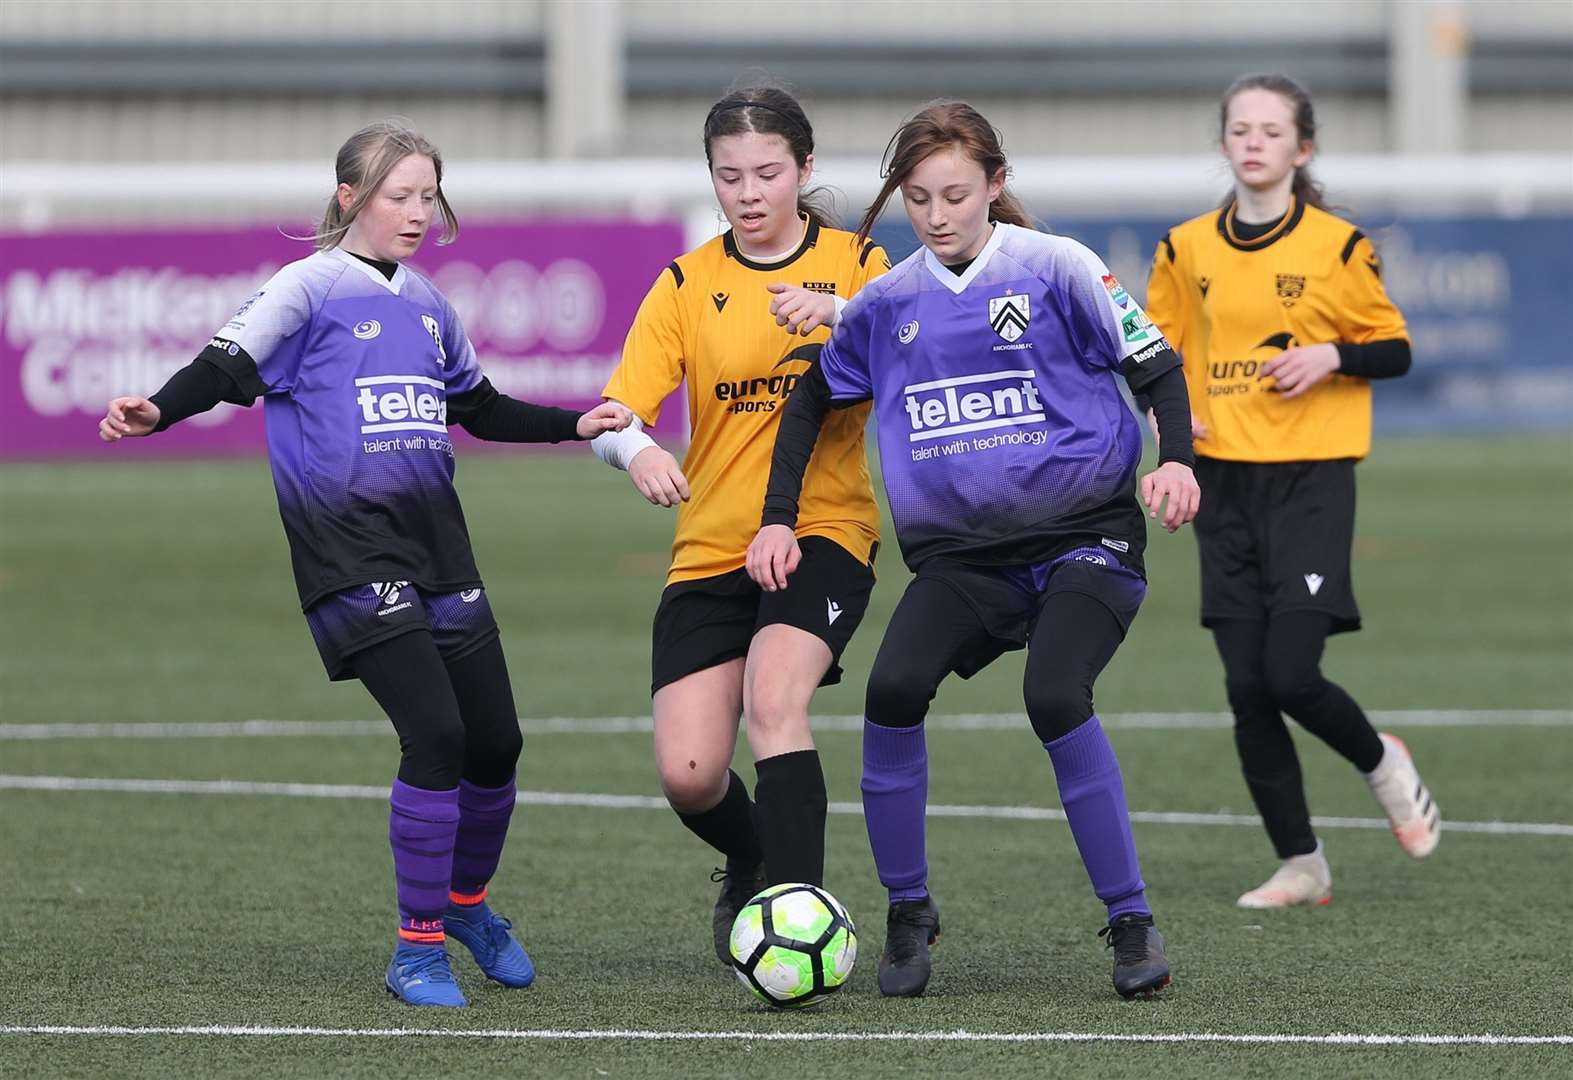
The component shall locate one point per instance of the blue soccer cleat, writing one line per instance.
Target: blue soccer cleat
(420, 975)
(487, 935)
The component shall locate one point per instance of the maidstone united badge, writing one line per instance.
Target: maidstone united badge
(1290, 288)
(1008, 315)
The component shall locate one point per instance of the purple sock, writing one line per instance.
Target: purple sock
(483, 829)
(1094, 799)
(421, 829)
(895, 798)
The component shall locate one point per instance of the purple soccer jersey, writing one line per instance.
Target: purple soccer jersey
(1003, 436)
(355, 371)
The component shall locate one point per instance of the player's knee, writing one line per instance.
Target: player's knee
(492, 757)
(1291, 684)
(1057, 708)
(1248, 696)
(897, 697)
(433, 754)
(692, 787)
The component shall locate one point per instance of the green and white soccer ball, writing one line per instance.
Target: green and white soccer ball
(793, 945)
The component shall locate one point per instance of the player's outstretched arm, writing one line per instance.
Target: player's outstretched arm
(128, 416)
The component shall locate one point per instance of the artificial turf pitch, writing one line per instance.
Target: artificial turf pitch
(134, 592)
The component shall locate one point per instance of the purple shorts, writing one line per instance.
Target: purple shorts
(353, 619)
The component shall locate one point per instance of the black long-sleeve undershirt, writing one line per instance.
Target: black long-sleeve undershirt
(1171, 404)
(481, 410)
(801, 418)
(1386, 359)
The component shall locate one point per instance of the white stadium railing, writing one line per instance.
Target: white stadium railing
(39, 196)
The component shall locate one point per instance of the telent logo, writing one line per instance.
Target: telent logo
(401, 403)
(940, 408)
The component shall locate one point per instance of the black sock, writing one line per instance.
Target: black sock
(728, 826)
(789, 813)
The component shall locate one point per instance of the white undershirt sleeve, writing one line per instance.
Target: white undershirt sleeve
(617, 448)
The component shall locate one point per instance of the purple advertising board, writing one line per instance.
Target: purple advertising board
(85, 317)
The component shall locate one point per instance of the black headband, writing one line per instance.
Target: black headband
(728, 106)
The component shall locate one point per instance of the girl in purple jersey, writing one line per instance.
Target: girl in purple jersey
(1010, 461)
(362, 364)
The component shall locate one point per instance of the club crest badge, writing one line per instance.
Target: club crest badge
(1290, 288)
(1008, 315)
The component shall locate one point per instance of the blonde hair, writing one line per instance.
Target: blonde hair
(364, 162)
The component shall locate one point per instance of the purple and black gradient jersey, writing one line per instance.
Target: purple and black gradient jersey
(1003, 435)
(355, 371)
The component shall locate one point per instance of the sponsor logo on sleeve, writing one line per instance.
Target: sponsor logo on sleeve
(1117, 293)
(1150, 351)
(1137, 327)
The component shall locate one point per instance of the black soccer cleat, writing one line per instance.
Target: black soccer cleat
(1141, 966)
(911, 926)
(738, 886)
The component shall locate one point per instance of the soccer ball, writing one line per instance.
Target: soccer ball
(793, 945)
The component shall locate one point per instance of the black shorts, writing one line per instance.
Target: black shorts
(1276, 537)
(345, 622)
(1009, 599)
(709, 621)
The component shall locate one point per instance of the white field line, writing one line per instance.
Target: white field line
(651, 802)
(619, 725)
(635, 1035)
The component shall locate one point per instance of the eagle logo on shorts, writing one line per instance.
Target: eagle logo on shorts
(1008, 315)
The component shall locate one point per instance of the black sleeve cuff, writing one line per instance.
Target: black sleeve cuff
(1375, 359)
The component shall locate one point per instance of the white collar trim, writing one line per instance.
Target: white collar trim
(957, 283)
(394, 284)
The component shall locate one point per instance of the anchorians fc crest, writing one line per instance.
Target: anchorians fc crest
(1008, 315)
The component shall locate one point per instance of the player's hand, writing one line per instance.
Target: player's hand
(1300, 368)
(656, 476)
(607, 416)
(772, 556)
(125, 416)
(1176, 483)
(800, 310)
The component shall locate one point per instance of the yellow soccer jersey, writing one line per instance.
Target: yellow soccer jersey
(707, 321)
(1230, 305)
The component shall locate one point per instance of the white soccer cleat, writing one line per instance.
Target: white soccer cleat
(1300, 880)
(1415, 816)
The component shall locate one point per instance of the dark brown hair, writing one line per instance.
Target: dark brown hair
(1305, 189)
(364, 162)
(939, 125)
(771, 110)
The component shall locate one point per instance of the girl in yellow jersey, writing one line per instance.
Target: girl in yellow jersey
(1278, 309)
(739, 320)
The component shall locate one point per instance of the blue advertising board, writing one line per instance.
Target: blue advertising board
(1489, 302)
